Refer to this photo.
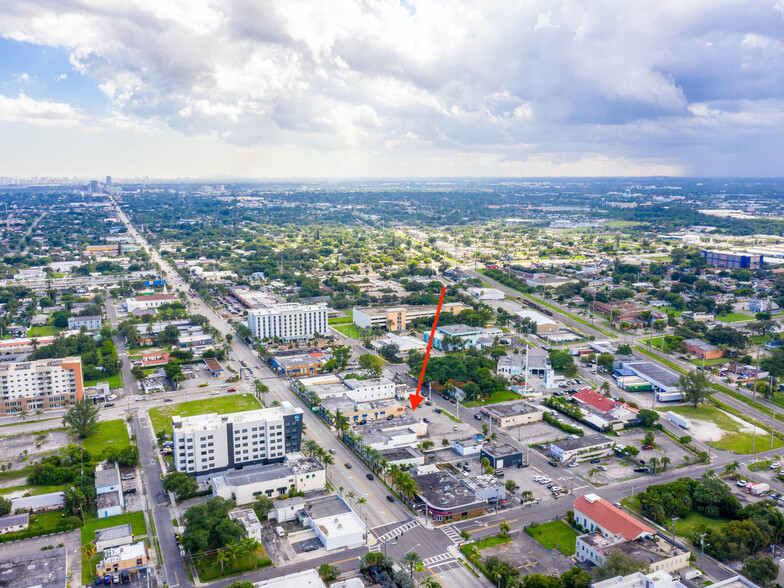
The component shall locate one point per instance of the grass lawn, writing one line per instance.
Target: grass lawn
(109, 433)
(733, 439)
(339, 320)
(43, 331)
(555, 535)
(502, 396)
(161, 416)
(115, 381)
(138, 528)
(210, 569)
(734, 317)
(685, 526)
(36, 490)
(350, 330)
(622, 224)
(716, 361)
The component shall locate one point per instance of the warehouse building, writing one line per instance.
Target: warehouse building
(581, 448)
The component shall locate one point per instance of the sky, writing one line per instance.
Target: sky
(391, 88)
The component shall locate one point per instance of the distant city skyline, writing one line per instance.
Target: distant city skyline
(391, 89)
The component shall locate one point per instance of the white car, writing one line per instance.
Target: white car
(214, 393)
(574, 464)
(111, 397)
(774, 466)
(742, 483)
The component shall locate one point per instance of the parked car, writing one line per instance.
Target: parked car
(603, 468)
(168, 400)
(438, 410)
(390, 498)
(370, 477)
(107, 579)
(647, 447)
(742, 483)
(128, 476)
(348, 465)
(596, 460)
(642, 470)
(108, 405)
(428, 403)
(617, 505)
(231, 390)
(553, 463)
(116, 579)
(425, 420)
(310, 547)
(390, 417)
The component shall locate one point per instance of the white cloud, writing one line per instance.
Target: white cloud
(37, 112)
(499, 81)
(21, 77)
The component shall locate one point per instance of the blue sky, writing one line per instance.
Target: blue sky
(355, 88)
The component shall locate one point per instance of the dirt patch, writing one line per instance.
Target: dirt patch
(13, 446)
(707, 431)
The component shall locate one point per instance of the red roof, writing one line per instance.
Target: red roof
(611, 518)
(598, 401)
(314, 355)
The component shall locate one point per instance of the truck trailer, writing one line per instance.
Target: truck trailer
(678, 419)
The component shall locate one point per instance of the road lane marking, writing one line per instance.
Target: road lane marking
(491, 526)
(440, 581)
(343, 561)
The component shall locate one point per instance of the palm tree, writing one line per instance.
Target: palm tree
(465, 536)
(731, 468)
(311, 447)
(493, 437)
(260, 389)
(653, 462)
(23, 415)
(504, 528)
(350, 495)
(429, 582)
(222, 558)
(88, 550)
(411, 560)
(665, 462)
(251, 548)
(327, 460)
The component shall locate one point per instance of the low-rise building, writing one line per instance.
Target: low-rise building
(40, 503)
(385, 434)
(544, 324)
(445, 499)
(332, 386)
(91, 323)
(113, 537)
(485, 294)
(603, 412)
(297, 362)
(511, 365)
(304, 579)
(302, 474)
(662, 579)
(47, 568)
(249, 521)
(403, 457)
(451, 337)
(398, 317)
(512, 414)
(733, 259)
(147, 302)
(502, 455)
(581, 448)
(406, 344)
(657, 551)
(594, 513)
(468, 446)
(194, 340)
(287, 509)
(14, 523)
(334, 522)
(703, 349)
(130, 558)
(665, 384)
(486, 487)
(155, 358)
(357, 412)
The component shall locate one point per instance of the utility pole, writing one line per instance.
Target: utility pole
(772, 430)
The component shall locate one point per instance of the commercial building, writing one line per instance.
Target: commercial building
(194, 340)
(662, 579)
(40, 503)
(91, 323)
(210, 442)
(730, 259)
(703, 349)
(502, 455)
(512, 414)
(103, 250)
(486, 293)
(594, 513)
(249, 521)
(334, 522)
(665, 384)
(468, 446)
(620, 312)
(147, 302)
(129, 559)
(451, 337)
(601, 411)
(581, 448)
(303, 579)
(332, 386)
(657, 551)
(398, 317)
(43, 384)
(108, 491)
(403, 457)
(288, 322)
(357, 412)
(113, 537)
(444, 498)
(25, 344)
(32, 567)
(511, 365)
(385, 434)
(272, 480)
(486, 487)
(155, 358)
(14, 523)
(544, 324)
(298, 362)
(405, 344)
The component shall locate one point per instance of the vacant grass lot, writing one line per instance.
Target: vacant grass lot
(115, 381)
(350, 330)
(161, 416)
(502, 396)
(210, 569)
(734, 438)
(734, 317)
(109, 434)
(685, 526)
(555, 535)
(339, 320)
(43, 331)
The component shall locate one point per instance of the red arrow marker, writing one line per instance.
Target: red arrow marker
(416, 399)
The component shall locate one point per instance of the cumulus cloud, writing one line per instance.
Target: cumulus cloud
(37, 112)
(510, 80)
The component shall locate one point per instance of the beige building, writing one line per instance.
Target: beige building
(398, 317)
(512, 414)
(43, 384)
(660, 553)
(123, 558)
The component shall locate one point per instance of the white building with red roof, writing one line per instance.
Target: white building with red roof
(601, 411)
(594, 513)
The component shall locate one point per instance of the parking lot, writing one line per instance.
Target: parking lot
(529, 556)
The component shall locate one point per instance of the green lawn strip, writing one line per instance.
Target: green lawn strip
(109, 433)
(210, 569)
(734, 317)
(161, 416)
(31, 421)
(716, 361)
(451, 416)
(36, 490)
(115, 381)
(138, 528)
(351, 331)
(43, 331)
(339, 320)
(685, 526)
(555, 535)
(502, 396)
(763, 464)
(490, 542)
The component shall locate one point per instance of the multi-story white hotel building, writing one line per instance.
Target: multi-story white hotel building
(42, 384)
(209, 443)
(288, 321)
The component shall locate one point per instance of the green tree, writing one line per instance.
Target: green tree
(649, 438)
(761, 570)
(624, 349)
(181, 484)
(328, 572)
(647, 417)
(410, 561)
(695, 387)
(606, 361)
(82, 419)
(5, 506)
(262, 506)
(619, 564)
(341, 355)
(260, 389)
(372, 364)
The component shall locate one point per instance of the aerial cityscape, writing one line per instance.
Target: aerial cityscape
(391, 294)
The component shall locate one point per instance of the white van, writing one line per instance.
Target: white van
(279, 530)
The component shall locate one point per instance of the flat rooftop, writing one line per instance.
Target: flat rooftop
(501, 450)
(580, 442)
(457, 330)
(111, 533)
(658, 374)
(203, 422)
(108, 476)
(509, 409)
(42, 569)
(108, 499)
(326, 506)
(257, 474)
(442, 491)
(400, 453)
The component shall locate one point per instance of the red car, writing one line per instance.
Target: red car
(647, 447)
(232, 389)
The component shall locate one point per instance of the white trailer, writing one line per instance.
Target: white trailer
(761, 488)
(678, 419)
